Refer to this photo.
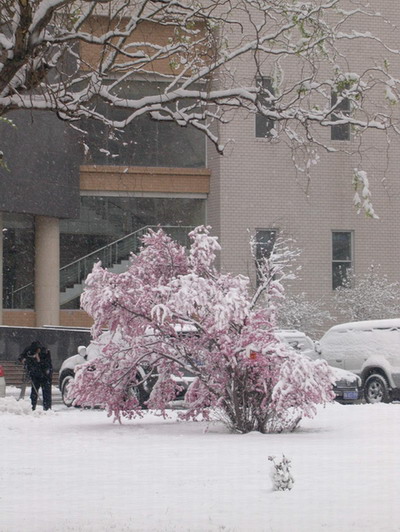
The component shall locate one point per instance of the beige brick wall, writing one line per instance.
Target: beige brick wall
(254, 185)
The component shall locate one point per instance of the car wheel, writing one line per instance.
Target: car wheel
(65, 386)
(376, 389)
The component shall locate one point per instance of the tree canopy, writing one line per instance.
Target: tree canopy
(172, 313)
(304, 66)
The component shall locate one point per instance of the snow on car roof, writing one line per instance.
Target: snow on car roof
(365, 325)
(290, 332)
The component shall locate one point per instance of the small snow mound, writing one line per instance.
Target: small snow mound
(10, 405)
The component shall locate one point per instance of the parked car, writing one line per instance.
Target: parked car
(67, 371)
(87, 354)
(145, 378)
(371, 349)
(347, 386)
(2, 382)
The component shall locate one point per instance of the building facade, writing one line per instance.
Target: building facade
(68, 201)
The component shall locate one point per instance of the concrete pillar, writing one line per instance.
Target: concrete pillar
(1, 269)
(47, 271)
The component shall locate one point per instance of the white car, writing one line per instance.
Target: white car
(371, 349)
(90, 353)
(2, 382)
(67, 370)
(145, 378)
(347, 386)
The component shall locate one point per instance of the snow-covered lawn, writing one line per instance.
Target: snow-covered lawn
(74, 470)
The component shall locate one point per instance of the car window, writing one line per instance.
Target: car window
(300, 343)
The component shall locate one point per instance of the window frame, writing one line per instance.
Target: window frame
(108, 148)
(273, 231)
(261, 122)
(340, 132)
(349, 262)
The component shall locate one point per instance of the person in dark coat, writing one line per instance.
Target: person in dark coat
(38, 364)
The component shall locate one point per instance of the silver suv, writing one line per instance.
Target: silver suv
(347, 384)
(371, 349)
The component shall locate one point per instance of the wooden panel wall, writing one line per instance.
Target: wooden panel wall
(145, 179)
(27, 318)
(146, 32)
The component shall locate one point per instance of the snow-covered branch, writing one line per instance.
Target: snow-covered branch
(61, 55)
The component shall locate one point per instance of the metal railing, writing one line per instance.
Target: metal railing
(109, 255)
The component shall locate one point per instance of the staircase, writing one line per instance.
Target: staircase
(113, 256)
(71, 293)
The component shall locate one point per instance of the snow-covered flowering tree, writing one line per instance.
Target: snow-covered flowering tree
(172, 313)
(368, 297)
(298, 312)
(78, 58)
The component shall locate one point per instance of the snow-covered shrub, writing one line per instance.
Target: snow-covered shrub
(172, 312)
(281, 475)
(298, 312)
(369, 296)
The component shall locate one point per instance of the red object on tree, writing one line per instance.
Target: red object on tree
(253, 355)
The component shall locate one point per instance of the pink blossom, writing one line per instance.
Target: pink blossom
(172, 313)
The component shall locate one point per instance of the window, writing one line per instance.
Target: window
(143, 142)
(18, 260)
(106, 219)
(341, 131)
(264, 124)
(265, 240)
(342, 253)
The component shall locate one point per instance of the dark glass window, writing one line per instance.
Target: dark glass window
(264, 124)
(342, 250)
(264, 244)
(104, 219)
(18, 260)
(111, 228)
(144, 141)
(341, 131)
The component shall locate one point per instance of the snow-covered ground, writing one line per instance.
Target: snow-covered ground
(74, 470)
